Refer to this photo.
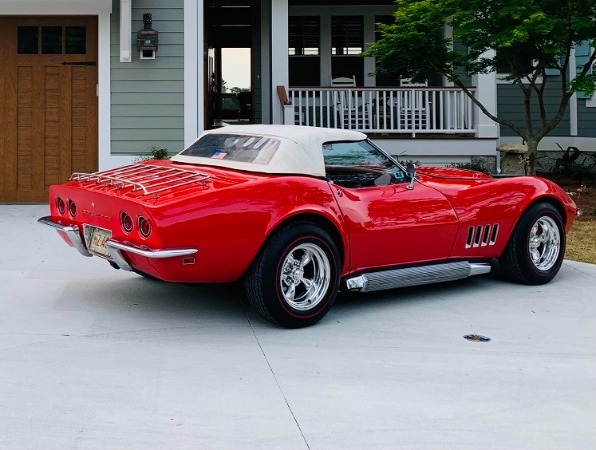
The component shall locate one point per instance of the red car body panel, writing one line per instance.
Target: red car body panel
(481, 201)
(391, 225)
(228, 218)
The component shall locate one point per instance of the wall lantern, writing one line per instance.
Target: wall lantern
(147, 39)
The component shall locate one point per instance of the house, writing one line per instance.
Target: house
(78, 94)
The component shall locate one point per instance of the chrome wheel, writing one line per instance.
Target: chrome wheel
(545, 243)
(294, 279)
(305, 276)
(535, 250)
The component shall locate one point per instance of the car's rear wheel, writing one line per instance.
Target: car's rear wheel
(295, 277)
(536, 248)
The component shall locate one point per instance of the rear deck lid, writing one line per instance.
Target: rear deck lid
(158, 181)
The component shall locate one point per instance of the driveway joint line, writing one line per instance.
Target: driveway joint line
(275, 378)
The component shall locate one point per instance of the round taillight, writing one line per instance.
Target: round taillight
(126, 222)
(144, 227)
(72, 209)
(60, 205)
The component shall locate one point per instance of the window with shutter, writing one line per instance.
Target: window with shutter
(304, 50)
(347, 43)
(582, 54)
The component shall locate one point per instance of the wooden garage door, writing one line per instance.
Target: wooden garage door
(48, 115)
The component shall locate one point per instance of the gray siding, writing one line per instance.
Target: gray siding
(510, 106)
(586, 120)
(147, 96)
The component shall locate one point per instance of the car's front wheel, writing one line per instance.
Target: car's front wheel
(295, 277)
(536, 247)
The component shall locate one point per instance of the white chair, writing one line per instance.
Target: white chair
(414, 108)
(407, 82)
(350, 113)
(344, 81)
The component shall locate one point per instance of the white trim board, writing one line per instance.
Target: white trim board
(55, 7)
(193, 71)
(414, 148)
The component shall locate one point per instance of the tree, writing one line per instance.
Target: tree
(234, 90)
(526, 37)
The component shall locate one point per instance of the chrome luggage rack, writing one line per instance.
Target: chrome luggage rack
(146, 178)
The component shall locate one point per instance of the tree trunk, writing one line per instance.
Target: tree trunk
(532, 146)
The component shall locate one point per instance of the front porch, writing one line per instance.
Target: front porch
(432, 125)
(382, 110)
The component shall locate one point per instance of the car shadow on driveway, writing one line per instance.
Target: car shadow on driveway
(226, 305)
(138, 296)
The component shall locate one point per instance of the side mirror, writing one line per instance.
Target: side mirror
(411, 172)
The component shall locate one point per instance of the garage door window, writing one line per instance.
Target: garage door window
(51, 40)
(28, 40)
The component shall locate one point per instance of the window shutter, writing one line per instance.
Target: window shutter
(582, 54)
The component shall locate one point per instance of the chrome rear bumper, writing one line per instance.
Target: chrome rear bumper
(70, 231)
(115, 248)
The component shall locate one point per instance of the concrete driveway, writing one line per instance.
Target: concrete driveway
(94, 358)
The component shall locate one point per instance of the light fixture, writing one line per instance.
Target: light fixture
(147, 39)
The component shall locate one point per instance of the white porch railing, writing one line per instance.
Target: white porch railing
(383, 110)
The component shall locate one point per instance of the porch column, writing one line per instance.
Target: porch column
(125, 31)
(194, 113)
(486, 93)
(280, 75)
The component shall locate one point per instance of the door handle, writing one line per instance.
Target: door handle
(79, 63)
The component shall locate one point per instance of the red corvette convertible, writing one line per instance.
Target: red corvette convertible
(299, 213)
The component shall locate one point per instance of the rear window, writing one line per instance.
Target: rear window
(235, 147)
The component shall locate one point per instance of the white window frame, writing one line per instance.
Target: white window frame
(325, 13)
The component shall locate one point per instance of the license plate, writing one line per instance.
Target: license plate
(96, 240)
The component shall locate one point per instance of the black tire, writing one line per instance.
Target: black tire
(294, 279)
(538, 260)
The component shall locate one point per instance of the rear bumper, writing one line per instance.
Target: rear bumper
(70, 233)
(117, 250)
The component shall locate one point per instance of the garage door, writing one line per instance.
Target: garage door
(48, 113)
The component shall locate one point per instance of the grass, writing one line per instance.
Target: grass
(581, 240)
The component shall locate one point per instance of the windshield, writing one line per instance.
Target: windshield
(235, 147)
(360, 164)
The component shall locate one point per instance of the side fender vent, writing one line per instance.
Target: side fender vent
(481, 236)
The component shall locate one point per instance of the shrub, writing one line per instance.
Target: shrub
(155, 153)
(581, 172)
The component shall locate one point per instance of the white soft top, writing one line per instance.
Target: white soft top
(299, 150)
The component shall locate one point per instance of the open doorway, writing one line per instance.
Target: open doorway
(230, 74)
